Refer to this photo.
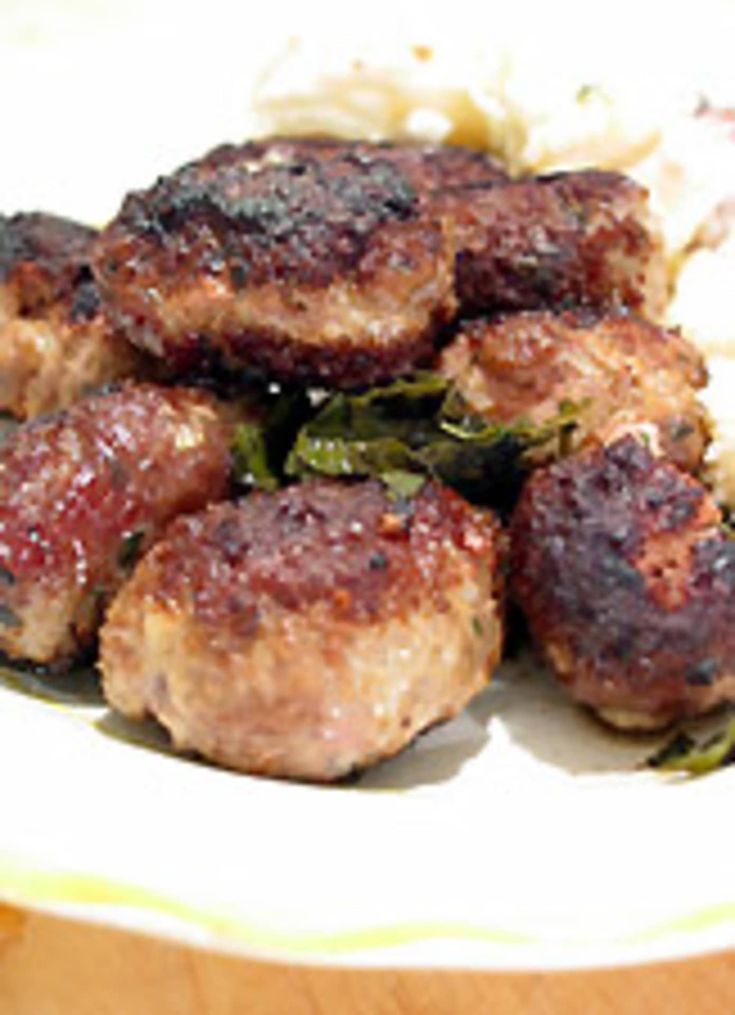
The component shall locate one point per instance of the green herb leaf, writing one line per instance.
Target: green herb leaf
(261, 445)
(421, 426)
(683, 754)
(401, 484)
(130, 546)
(251, 458)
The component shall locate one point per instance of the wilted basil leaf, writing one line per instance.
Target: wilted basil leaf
(251, 458)
(130, 547)
(402, 485)
(260, 448)
(684, 754)
(420, 426)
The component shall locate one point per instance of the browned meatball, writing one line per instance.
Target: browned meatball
(617, 369)
(312, 632)
(581, 238)
(42, 257)
(433, 168)
(627, 580)
(55, 343)
(83, 493)
(320, 266)
(429, 168)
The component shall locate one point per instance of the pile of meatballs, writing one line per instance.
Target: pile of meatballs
(309, 632)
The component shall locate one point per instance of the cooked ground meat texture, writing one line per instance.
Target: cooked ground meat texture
(42, 257)
(617, 369)
(82, 493)
(627, 580)
(568, 239)
(318, 266)
(309, 633)
(55, 343)
(429, 168)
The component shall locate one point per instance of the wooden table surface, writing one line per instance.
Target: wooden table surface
(57, 967)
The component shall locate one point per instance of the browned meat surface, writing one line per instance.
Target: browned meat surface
(312, 632)
(580, 238)
(55, 344)
(314, 265)
(627, 580)
(428, 168)
(42, 258)
(82, 493)
(617, 369)
(335, 262)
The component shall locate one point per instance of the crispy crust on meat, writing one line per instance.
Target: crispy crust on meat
(427, 167)
(82, 493)
(55, 343)
(42, 257)
(49, 363)
(617, 369)
(579, 238)
(320, 269)
(312, 632)
(628, 583)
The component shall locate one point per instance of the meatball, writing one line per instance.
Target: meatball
(617, 370)
(42, 257)
(433, 168)
(300, 263)
(55, 343)
(627, 579)
(429, 168)
(578, 238)
(82, 493)
(309, 633)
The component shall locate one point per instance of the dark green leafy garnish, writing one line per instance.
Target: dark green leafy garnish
(727, 526)
(259, 449)
(402, 485)
(130, 546)
(684, 754)
(251, 458)
(418, 427)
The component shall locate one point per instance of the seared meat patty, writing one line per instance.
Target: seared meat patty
(429, 168)
(569, 239)
(82, 493)
(304, 263)
(627, 579)
(312, 632)
(55, 344)
(618, 370)
(42, 257)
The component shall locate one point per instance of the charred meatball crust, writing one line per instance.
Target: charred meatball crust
(567, 239)
(312, 266)
(312, 632)
(55, 343)
(83, 493)
(627, 579)
(618, 371)
(429, 168)
(42, 257)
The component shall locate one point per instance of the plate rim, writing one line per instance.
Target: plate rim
(402, 944)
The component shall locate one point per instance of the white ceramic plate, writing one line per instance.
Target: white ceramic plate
(521, 835)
